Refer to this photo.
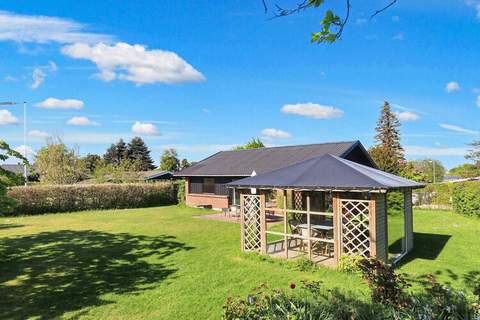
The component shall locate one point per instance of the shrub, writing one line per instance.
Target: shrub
(349, 263)
(180, 187)
(395, 202)
(466, 198)
(68, 198)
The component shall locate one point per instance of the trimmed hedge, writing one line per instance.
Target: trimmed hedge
(466, 198)
(67, 198)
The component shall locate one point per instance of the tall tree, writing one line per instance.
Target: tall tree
(424, 170)
(139, 152)
(388, 152)
(122, 151)
(57, 164)
(184, 164)
(169, 160)
(111, 156)
(255, 143)
(91, 162)
(474, 153)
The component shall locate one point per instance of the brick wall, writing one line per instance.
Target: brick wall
(216, 201)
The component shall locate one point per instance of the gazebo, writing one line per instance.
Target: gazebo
(330, 207)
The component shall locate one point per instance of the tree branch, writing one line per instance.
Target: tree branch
(383, 9)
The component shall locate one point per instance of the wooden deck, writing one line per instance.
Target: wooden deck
(276, 249)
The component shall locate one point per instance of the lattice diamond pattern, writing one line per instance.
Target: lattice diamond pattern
(356, 227)
(298, 200)
(252, 222)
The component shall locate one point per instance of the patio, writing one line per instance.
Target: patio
(331, 207)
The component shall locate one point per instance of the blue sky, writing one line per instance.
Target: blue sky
(205, 77)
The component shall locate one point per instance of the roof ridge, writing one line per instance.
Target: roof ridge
(294, 145)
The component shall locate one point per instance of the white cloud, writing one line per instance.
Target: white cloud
(82, 121)
(134, 63)
(275, 133)
(478, 101)
(38, 77)
(25, 150)
(199, 148)
(407, 116)
(38, 134)
(475, 4)
(43, 29)
(434, 151)
(10, 78)
(52, 66)
(399, 36)
(54, 103)
(452, 86)
(455, 128)
(6, 118)
(145, 128)
(313, 110)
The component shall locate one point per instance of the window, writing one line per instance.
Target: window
(208, 185)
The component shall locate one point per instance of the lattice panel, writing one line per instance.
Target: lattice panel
(252, 223)
(356, 227)
(297, 200)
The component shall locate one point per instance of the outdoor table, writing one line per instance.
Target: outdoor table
(325, 226)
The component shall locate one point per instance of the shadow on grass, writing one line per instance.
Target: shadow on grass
(426, 246)
(10, 226)
(50, 273)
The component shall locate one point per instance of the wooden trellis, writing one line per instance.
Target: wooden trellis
(297, 200)
(253, 222)
(355, 227)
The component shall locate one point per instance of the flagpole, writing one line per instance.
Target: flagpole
(25, 140)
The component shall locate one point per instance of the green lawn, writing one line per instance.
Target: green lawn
(163, 263)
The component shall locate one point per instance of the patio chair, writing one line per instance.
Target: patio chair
(293, 224)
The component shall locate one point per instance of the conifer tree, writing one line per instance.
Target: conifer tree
(139, 152)
(121, 151)
(388, 152)
(110, 155)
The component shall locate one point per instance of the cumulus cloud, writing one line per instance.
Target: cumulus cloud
(44, 29)
(313, 110)
(6, 118)
(38, 77)
(407, 116)
(25, 150)
(145, 128)
(134, 63)
(434, 151)
(452, 86)
(81, 121)
(54, 103)
(475, 4)
(275, 133)
(38, 134)
(459, 129)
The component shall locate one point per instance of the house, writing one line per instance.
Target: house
(152, 176)
(206, 180)
(15, 168)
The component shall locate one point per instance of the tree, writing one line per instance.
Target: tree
(138, 152)
(110, 155)
(8, 178)
(122, 151)
(91, 162)
(57, 164)
(255, 143)
(332, 25)
(388, 152)
(184, 164)
(169, 160)
(474, 153)
(423, 170)
(466, 170)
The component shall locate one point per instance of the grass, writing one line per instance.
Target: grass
(164, 263)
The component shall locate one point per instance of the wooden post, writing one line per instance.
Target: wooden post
(285, 227)
(309, 229)
(372, 222)
(263, 225)
(242, 222)
(337, 227)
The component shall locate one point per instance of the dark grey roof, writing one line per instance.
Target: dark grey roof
(152, 175)
(15, 168)
(327, 172)
(241, 163)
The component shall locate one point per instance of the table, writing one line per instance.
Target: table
(324, 226)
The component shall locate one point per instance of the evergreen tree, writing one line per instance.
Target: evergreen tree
(139, 152)
(91, 162)
(169, 160)
(388, 153)
(184, 164)
(121, 151)
(110, 155)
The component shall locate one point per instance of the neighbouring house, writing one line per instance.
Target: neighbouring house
(152, 176)
(15, 168)
(206, 180)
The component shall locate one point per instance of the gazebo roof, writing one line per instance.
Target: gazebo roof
(327, 172)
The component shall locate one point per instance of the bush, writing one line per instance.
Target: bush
(439, 194)
(395, 202)
(466, 198)
(68, 198)
(180, 186)
(349, 263)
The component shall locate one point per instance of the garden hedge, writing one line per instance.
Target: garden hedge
(67, 198)
(466, 198)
